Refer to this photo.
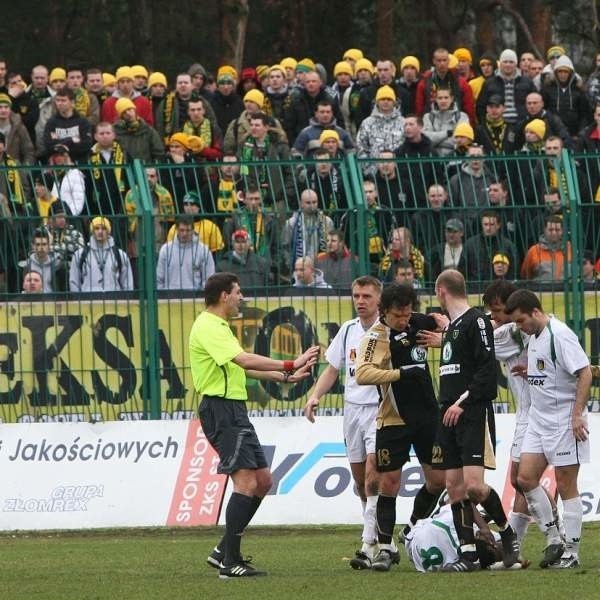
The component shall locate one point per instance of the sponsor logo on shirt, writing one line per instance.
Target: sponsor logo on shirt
(536, 380)
(449, 369)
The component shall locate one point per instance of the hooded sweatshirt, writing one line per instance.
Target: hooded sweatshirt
(380, 132)
(545, 261)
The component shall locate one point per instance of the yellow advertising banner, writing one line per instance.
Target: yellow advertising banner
(87, 360)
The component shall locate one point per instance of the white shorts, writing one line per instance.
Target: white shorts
(359, 431)
(560, 447)
(517, 443)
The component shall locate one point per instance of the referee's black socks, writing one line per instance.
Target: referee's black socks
(256, 500)
(239, 511)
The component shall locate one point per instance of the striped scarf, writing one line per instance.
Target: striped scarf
(256, 231)
(82, 102)
(117, 158)
(15, 185)
(204, 131)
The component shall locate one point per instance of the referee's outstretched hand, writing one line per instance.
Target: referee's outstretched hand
(312, 353)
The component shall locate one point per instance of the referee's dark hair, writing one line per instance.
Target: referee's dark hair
(397, 295)
(499, 290)
(523, 300)
(217, 284)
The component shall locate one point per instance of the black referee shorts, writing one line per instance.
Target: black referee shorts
(228, 429)
(471, 442)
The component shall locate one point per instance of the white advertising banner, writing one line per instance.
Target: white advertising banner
(153, 473)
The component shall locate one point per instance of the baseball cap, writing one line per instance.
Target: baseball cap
(454, 225)
(191, 198)
(240, 235)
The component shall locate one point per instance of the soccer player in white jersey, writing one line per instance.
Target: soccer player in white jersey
(360, 408)
(559, 376)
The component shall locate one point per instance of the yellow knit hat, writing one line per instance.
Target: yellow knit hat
(363, 64)
(139, 71)
(180, 138)
(227, 70)
(342, 67)
(306, 65)
(537, 126)
(464, 130)
(353, 54)
(57, 74)
(452, 61)
(464, 54)
(100, 222)
(410, 61)
(255, 96)
(124, 73)
(156, 78)
(501, 258)
(385, 92)
(123, 104)
(108, 79)
(327, 134)
(289, 63)
(262, 71)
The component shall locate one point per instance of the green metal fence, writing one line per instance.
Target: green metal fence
(99, 353)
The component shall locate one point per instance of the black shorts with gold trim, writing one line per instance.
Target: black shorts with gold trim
(471, 442)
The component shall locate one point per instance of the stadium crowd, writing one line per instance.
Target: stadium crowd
(288, 223)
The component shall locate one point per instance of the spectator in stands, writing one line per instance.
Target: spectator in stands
(309, 139)
(43, 260)
(535, 69)
(547, 173)
(266, 144)
(494, 133)
(140, 78)
(388, 184)
(405, 273)
(416, 177)
(363, 72)
(137, 138)
(303, 105)
(535, 133)
(547, 260)
(564, 96)
(17, 141)
(226, 104)
(100, 266)
(429, 224)
(305, 232)
(487, 66)
(57, 79)
(199, 77)
(94, 84)
(41, 91)
(259, 224)
(106, 188)
(441, 76)
(276, 93)
(525, 61)
(468, 189)
(450, 254)
(68, 128)
(239, 129)
(207, 232)
(534, 106)
(163, 209)
(481, 248)
(86, 104)
(23, 102)
(220, 195)
(306, 276)
(69, 182)
(342, 88)
(410, 75)
(508, 83)
(401, 248)
(126, 91)
(588, 269)
(180, 176)
(326, 180)
(200, 126)
(65, 240)
(383, 129)
(592, 85)
(252, 270)
(439, 124)
(32, 283)
(157, 92)
(500, 266)
(184, 263)
(337, 264)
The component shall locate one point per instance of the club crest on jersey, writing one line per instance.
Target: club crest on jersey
(418, 354)
(353, 354)
(455, 334)
(447, 352)
(481, 323)
(540, 364)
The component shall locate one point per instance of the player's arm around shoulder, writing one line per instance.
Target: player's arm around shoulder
(374, 361)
